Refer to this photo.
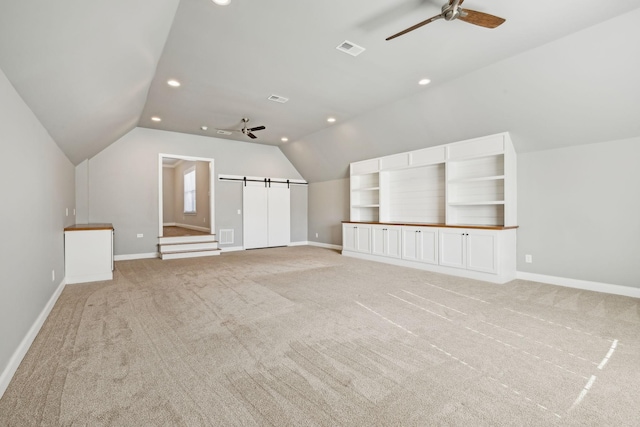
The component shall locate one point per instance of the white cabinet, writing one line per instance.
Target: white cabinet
(470, 249)
(88, 253)
(267, 215)
(386, 240)
(356, 238)
(420, 244)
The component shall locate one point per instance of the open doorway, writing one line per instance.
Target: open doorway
(189, 206)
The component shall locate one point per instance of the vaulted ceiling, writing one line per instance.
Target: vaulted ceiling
(92, 71)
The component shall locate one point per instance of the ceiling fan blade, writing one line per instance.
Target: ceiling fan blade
(256, 128)
(480, 18)
(252, 136)
(418, 25)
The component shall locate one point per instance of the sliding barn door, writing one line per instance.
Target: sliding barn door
(267, 218)
(254, 220)
(279, 216)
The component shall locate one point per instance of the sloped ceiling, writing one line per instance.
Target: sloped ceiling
(552, 75)
(84, 67)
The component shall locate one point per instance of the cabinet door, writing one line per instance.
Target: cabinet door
(452, 247)
(378, 238)
(428, 245)
(348, 237)
(482, 250)
(393, 242)
(363, 239)
(410, 243)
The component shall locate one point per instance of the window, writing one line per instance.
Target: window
(190, 190)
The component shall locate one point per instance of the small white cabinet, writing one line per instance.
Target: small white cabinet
(386, 240)
(88, 253)
(420, 244)
(470, 249)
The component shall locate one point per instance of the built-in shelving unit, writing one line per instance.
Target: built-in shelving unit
(449, 209)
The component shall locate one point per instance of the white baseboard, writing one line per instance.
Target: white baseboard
(232, 249)
(325, 245)
(128, 257)
(193, 227)
(580, 284)
(304, 243)
(21, 351)
(169, 224)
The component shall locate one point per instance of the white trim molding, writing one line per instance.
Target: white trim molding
(580, 284)
(325, 245)
(303, 243)
(25, 344)
(232, 249)
(129, 257)
(193, 227)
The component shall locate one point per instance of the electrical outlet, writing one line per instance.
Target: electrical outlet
(239, 212)
(316, 235)
(53, 275)
(139, 235)
(528, 259)
(74, 211)
(204, 219)
(66, 211)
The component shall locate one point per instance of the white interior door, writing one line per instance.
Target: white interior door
(255, 219)
(279, 215)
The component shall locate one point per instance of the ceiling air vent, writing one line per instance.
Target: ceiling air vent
(276, 98)
(350, 48)
(224, 132)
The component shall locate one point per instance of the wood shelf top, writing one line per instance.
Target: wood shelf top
(86, 227)
(420, 224)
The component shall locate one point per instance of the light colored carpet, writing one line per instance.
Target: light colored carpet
(302, 336)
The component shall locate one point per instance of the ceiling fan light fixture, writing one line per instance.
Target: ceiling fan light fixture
(222, 2)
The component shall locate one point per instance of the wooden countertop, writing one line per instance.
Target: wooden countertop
(416, 224)
(86, 227)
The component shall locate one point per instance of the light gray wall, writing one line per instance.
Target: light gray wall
(328, 206)
(123, 182)
(82, 192)
(299, 213)
(37, 184)
(579, 212)
(168, 195)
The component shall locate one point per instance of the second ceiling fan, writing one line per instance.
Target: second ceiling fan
(244, 130)
(452, 11)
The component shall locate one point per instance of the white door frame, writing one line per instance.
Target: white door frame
(211, 188)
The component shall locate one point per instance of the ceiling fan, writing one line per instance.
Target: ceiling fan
(452, 11)
(244, 130)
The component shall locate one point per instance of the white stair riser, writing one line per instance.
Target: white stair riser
(197, 254)
(185, 247)
(187, 239)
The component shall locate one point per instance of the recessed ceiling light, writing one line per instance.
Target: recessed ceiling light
(424, 82)
(222, 2)
(173, 83)
(284, 139)
(204, 127)
(331, 119)
(156, 119)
